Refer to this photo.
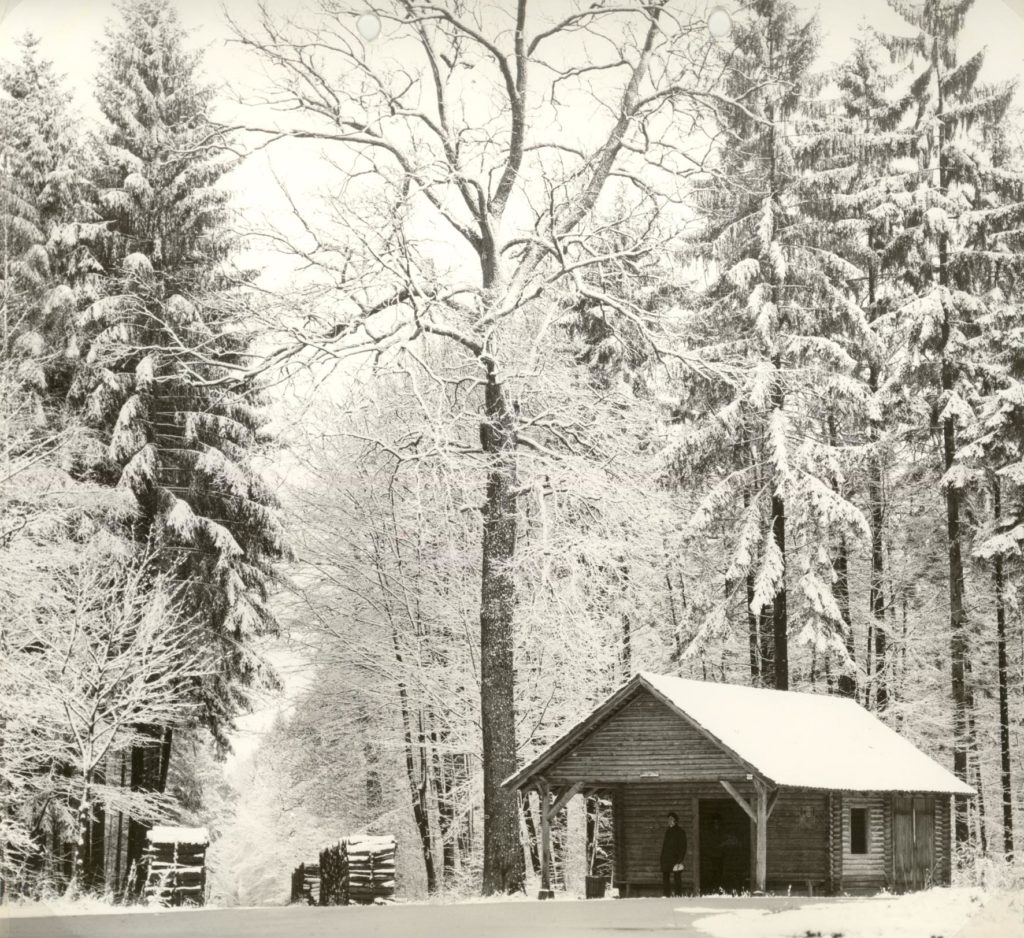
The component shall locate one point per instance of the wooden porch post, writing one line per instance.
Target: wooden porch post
(761, 830)
(544, 793)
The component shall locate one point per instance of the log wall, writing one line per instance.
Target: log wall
(798, 834)
(866, 871)
(644, 736)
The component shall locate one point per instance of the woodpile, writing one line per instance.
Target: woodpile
(358, 869)
(306, 883)
(174, 866)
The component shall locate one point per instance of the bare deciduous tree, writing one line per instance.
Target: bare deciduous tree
(462, 196)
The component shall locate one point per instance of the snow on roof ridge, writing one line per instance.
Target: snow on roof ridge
(817, 695)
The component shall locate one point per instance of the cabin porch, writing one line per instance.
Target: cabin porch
(719, 818)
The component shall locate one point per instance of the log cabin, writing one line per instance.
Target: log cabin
(777, 791)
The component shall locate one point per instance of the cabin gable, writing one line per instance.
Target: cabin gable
(644, 739)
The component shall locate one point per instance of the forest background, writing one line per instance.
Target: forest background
(419, 426)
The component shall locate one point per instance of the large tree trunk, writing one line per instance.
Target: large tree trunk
(503, 870)
(1006, 782)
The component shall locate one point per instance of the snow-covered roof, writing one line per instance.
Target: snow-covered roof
(796, 739)
(178, 835)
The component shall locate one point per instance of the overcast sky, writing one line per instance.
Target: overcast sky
(70, 29)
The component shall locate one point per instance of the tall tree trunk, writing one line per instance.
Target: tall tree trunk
(627, 647)
(780, 618)
(531, 835)
(841, 574)
(957, 609)
(975, 766)
(149, 765)
(444, 788)
(780, 622)
(754, 634)
(503, 870)
(876, 598)
(115, 882)
(416, 785)
(1005, 778)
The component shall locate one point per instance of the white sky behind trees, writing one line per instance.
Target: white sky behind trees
(71, 29)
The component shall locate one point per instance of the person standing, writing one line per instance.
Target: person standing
(673, 853)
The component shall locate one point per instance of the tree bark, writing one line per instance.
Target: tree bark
(957, 609)
(531, 835)
(876, 598)
(1005, 777)
(753, 633)
(503, 870)
(416, 789)
(780, 623)
(780, 619)
(847, 683)
(149, 766)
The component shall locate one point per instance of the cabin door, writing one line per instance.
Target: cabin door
(724, 837)
(913, 842)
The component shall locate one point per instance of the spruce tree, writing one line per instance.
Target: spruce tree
(160, 348)
(43, 195)
(863, 212)
(994, 454)
(947, 268)
(771, 310)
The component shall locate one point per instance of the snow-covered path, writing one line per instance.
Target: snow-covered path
(939, 912)
(603, 919)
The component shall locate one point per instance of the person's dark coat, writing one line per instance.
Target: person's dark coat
(673, 848)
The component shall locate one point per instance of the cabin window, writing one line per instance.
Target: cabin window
(858, 830)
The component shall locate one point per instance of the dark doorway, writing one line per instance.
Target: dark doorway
(724, 846)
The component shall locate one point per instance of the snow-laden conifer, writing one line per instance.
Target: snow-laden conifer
(759, 443)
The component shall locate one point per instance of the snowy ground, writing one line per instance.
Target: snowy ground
(929, 914)
(939, 913)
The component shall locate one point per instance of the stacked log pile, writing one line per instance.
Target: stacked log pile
(371, 868)
(306, 883)
(358, 869)
(334, 876)
(174, 866)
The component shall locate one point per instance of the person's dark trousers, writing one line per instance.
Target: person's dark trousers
(676, 879)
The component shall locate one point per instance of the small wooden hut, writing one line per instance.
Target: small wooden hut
(174, 865)
(776, 790)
